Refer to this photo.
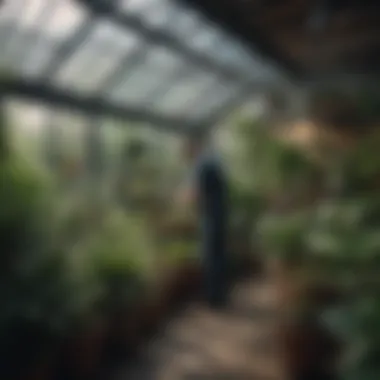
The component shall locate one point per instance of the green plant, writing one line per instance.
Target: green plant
(246, 201)
(27, 227)
(41, 293)
(345, 246)
(284, 235)
(269, 165)
(357, 323)
(121, 255)
(360, 168)
(179, 251)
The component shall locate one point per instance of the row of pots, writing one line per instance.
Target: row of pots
(94, 346)
(308, 351)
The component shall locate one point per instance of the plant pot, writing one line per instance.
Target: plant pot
(289, 282)
(307, 350)
(84, 349)
(244, 265)
(179, 284)
(41, 367)
(124, 327)
(44, 367)
(168, 289)
(29, 352)
(150, 315)
(189, 279)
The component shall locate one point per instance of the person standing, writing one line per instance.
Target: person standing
(208, 188)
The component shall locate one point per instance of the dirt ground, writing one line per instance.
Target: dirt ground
(200, 344)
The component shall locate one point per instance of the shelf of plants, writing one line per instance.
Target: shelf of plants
(324, 254)
(80, 284)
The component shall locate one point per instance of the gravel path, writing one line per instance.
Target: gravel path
(199, 344)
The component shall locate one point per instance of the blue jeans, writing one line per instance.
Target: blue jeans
(214, 257)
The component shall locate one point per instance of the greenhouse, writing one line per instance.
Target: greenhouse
(103, 265)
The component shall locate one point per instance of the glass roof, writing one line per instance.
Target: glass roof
(154, 55)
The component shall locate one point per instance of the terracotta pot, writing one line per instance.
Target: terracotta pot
(245, 266)
(169, 290)
(189, 276)
(124, 329)
(44, 368)
(84, 350)
(307, 350)
(151, 313)
(163, 295)
(180, 283)
(289, 283)
(28, 352)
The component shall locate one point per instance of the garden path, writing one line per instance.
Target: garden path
(199, 344)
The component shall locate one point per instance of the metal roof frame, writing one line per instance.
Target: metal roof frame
(92, 106)
(44, 90)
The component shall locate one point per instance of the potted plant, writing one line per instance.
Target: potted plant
(120, 257)
(356, 323)
(304, 343)
(32, 325)
(124, 287)
(85, 333)
(283, 238)
(30, 272)
(350, 245)
(185, 272)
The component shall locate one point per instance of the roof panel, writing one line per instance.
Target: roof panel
(31, 30)
(158, 63)
(197, 33)
(169, 83)
(68, 16)
(137, 6)
(156, 56)
(178, 100)
(97, 59)
(215, 97)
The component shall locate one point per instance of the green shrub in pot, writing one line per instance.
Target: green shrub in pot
(357, 323)
(26, 206)
(122, 255)
(246, 208)
(40, 297)
(274, 166)
(345, 236)
(183, 271)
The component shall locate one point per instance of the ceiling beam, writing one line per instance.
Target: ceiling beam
(92, 106)
(159, 37)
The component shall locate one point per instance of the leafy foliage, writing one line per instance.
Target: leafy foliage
(121, 253)
(38, 285)
(285, 235)
(181, 251)
(338, 239)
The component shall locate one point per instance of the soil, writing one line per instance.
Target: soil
(235, 343)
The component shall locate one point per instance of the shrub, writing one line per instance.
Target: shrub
(121, 253)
